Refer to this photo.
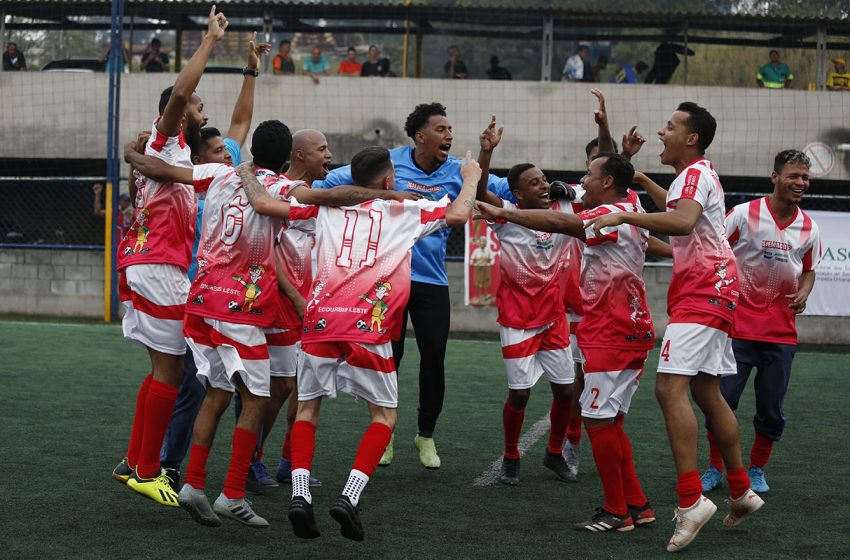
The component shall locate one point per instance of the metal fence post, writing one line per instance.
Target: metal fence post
(113, 164)
(546, 47)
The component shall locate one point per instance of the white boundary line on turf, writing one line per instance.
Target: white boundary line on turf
(529, 438)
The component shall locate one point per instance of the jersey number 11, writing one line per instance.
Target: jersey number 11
(343, 258)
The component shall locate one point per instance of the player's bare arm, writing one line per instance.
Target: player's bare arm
(346, 195)
(659, 248)
(632, 143)
(286, 288)
(489, 139)
(155, 168)
(653, 189)
(141, 142)
(243, 112)
(681, 221)
(798, 299)
(600, 116)
(262, 202)
(538, 220)
(460, 210)
(190, 76)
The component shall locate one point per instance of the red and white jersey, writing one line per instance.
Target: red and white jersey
(361, 282)
(236, 280)
(615, 311)
(293, 253)
(705, 277)
(771, 257)
(531, 264)
(164, 228)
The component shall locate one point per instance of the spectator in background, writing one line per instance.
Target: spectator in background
(350, 66)
(575, 67)
(594, 73)
(124, 62)
(13, 59)
(375, 66)
(455, 68)
(628, 74)
(774, 74)
(496, 72)
(317, 65)
(666, 61)
(282, 62)
(839, 80)
(153, 60)
(125, 209)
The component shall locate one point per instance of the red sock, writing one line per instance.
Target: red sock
(372, 446)
(138, 423)
(608, 455)
(512, 420)
(158, 408)
(196, 472)
(715, 456)
(244, 443)
(559, 418)
(303, 444)
(286, 452)
(739, 482)
(689, 488)
(631, 484)
(760, 453)
(574, 427)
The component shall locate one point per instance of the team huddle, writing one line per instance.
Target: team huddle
(300, 284)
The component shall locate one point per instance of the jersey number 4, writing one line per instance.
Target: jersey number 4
(343, 258)
(665, 352)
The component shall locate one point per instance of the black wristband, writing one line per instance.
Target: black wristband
(248, 72)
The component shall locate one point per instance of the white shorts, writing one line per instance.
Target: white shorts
(223, 349)
(529, 353)
(574, 320)
(154, 300)
(691, 348)
(284, 346)
(363, 370)
(611, 377)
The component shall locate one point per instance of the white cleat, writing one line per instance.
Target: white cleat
(739, 509)
(689, 521)
(571, 456)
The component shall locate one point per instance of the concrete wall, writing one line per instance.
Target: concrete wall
(70, 284)
(64, 115)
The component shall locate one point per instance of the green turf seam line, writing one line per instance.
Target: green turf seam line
(529, 438)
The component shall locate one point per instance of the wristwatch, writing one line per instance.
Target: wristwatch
(248, 72)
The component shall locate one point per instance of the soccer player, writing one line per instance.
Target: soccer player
(696, 350)
(426, 168)
(153, 284)
(360, 289)
(615, 333)
(777, 247)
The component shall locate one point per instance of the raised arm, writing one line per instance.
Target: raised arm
(243, 112)
(262, 202)
(155, 168)
(632, 143)
(190, 76)
(539, 220)
(347, 195)
(458, 213)
(681, 221)
(489, 139)
(653, 189)
(606, 142)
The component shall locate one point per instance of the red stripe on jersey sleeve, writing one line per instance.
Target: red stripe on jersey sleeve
(607, 238)
(428, 216)
(754, 214)
(807, 260)
(733, 237)
(689, 189)
(202, 185)
(159, 142)
(303, 213)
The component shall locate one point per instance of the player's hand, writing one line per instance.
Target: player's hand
(608, 220)
(798, 302)
(97, 188)
(245, 169)
(470, 170)
(129, 150)
(559, 190)
(632, 142)
(255, 50)
(486, 211)
(216, 25)
(599, 115)
(401, 196)
(142, 141)
(491, 137)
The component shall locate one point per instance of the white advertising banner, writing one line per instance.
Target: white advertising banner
(831, 294)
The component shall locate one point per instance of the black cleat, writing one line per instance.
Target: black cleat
(510, 472)
(174, 476)
(302, 518)
(603, 521)
(348, 517)
(556, 463)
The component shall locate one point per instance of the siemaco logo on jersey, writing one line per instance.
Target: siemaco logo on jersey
(428, 191)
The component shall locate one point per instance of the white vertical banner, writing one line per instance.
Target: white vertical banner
(831, 294)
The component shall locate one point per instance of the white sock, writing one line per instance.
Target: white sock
(301, 484)
(356, 483)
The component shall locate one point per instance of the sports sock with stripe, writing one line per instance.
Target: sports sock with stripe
(739, 482)
(631, 484)
(138, 423)
(356, 483)
(244, 443)
(559, 418)
(158, 408)
(760, 452)
(714, 454)
(608, 456)
(689, 488)
(512, 420)
(196, 472)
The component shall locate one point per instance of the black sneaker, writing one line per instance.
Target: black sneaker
(348, 517)
(603, 521)
(510, 472)
(122, 472)
(556, 463)
(302, 518)
(174, 476)
(252, 485)
(642, 516)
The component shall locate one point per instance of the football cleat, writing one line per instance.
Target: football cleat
(174, 476)
(749, 502)
(122, 472)
(711, 479)
(689, 521)
(284, 474)
(510, 472)
(195, 502)
(571, 456)
(642, 516)
(239, 510)
(556, 463)
(757, 481)
(157, 489)
(259, 479)
(302, 518)
(427, 452)
(387, 457)
(348, 517)
(603, 521)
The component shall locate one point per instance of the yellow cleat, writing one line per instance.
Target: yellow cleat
(427, 452)
(157, 489)
(123, 471)
(387, 457)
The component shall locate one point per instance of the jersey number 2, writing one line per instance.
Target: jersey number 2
(343, 258)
